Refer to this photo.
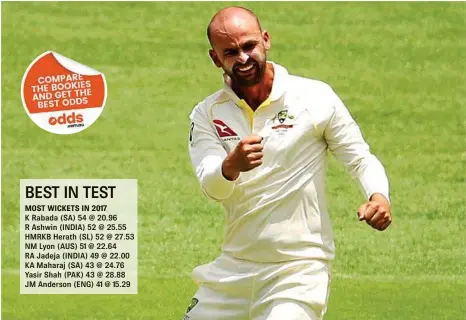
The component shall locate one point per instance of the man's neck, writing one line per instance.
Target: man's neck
(256, 94)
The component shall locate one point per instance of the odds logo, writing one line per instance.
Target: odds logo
(62, 96)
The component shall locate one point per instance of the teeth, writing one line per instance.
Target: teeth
(246, 68)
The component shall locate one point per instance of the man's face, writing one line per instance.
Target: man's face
(241, 53)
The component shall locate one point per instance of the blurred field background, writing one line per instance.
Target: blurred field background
(399, 67)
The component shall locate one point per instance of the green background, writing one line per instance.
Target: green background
(399, 68)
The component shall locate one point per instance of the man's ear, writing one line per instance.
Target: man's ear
(266, 38)
(214, 57)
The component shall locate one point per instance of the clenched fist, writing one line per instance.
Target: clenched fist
(376, 212)
(246, 156)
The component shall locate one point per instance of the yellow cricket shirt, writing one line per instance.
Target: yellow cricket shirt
(277, 211)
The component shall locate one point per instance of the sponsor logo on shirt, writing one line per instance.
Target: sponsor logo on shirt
(282, 126)
(225, 132)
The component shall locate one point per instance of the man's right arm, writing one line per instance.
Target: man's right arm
(207, 157)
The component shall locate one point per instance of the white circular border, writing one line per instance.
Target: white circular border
(64, 130)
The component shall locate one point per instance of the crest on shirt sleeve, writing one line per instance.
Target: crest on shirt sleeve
(191, 139)
(194, 302)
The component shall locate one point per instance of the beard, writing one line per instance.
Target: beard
(252, 77)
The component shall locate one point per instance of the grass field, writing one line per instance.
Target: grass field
(399, 67)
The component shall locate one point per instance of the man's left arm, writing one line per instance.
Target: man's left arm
(345, 140)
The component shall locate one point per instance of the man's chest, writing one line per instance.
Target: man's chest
(287, 129)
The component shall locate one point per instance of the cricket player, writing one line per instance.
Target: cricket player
(259, 147)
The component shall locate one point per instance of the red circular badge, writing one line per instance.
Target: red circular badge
(62, 96)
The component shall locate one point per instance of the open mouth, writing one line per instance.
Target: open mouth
(246, 69)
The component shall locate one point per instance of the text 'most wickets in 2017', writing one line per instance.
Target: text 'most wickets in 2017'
(78, 236)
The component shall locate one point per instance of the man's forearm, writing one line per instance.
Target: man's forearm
(213, 182)
(373, 178)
